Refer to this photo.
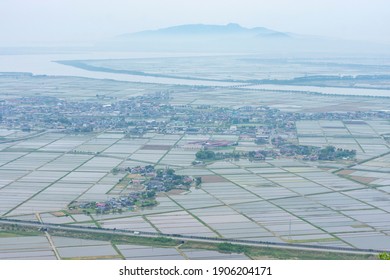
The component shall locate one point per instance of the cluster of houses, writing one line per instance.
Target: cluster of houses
(114, 204)
(152, 182)
(154, 113)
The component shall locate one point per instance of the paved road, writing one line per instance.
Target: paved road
(180, 237)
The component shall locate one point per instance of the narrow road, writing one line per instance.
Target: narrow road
(48, 237)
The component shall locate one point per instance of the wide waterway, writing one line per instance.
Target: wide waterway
(44, 64)
(325, 90)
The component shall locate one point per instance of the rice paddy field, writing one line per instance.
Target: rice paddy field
(363, 136)
(279, 200)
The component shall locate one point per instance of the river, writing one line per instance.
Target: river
(44, 64)
(325, 90)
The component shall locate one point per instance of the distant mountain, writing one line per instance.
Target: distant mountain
(231, 29)
(231, 38)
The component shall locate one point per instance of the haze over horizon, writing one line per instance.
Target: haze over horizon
(72, 22)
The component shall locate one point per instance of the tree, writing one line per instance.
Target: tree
(160, 173)
(205, 155)
(151, 194)
(170, 171)
(327, 153)
(115, 170)
(384, 256)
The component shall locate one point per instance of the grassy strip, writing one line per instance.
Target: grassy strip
(118, 251)
(119, 239)
(275, 253)
(16, 234)
(17, 231)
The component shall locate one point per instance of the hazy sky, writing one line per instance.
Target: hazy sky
(23, 22)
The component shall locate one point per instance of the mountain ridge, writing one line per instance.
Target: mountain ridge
(233, 38)
(207, 29)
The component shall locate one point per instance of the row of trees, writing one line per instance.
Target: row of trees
(327, 153)
(331, 153)
(315, 153)
(207, 155)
